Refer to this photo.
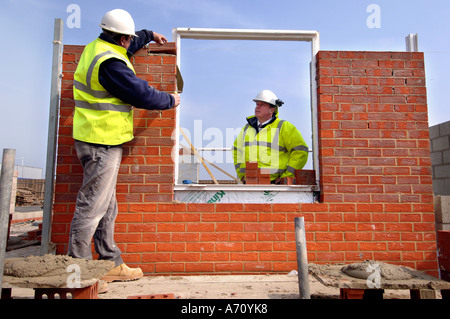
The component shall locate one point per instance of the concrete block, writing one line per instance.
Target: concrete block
(434, 131)
(436, 158)
(441, 226)
(442, 171)
(442, 209)
(438, 186)
(444, 128)
(445, 157)
(446, 187)
(441, 143)
(441, 186)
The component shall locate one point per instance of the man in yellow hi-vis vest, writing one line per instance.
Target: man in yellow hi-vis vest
(106, 89)
(274, 143)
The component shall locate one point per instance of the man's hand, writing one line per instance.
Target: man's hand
(177, 99)
(159, 38)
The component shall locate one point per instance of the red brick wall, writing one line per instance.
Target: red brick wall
(375, 156)
(377, 197)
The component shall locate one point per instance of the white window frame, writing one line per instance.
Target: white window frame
(252, 34)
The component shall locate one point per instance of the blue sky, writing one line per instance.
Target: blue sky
(221, 77)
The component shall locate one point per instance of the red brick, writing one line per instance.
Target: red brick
(229, 207)
(227, 227)
(273, 256)
(251, 165)
(169, 268)
(257, 266)
(215, 217)
(241, 237)
(170, 227)
(170, 247)
(346, 246)
(331, 257)
(243, 217)
(257, 208)
(141, 247)
(372, 246)
(229, 246)
(329, 236)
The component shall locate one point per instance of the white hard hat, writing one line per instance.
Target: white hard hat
(268, 97)
(118, 21)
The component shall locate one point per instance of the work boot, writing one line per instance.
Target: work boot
(123, 273)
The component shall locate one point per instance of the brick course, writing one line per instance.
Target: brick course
(375, 172)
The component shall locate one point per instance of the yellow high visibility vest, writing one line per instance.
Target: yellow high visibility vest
(279, 146)
(100, 117)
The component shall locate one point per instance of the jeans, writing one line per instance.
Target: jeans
(96, 205)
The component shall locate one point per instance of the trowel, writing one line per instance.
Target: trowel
(180, 82)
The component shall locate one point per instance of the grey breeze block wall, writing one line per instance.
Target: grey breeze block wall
(440, 158)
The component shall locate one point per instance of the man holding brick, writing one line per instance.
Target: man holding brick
(106, 89)
(275, 144)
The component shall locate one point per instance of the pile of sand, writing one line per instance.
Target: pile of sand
(54, 271)
(364, 269)
(371, 273)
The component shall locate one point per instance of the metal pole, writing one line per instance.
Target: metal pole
(6, 182)
(52, 137)
(302, 258)
(412, 42)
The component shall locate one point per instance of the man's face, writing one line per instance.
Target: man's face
(125, 41)
(263, 111)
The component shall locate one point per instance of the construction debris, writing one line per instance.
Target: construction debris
(26, 197)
